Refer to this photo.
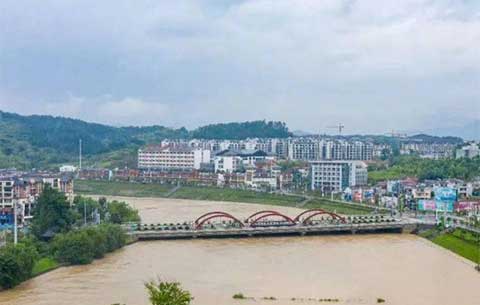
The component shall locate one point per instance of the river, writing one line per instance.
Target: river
(402, 269)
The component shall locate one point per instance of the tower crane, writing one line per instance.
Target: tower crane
(339, 127)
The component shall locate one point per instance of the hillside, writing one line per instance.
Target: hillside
(43, 141)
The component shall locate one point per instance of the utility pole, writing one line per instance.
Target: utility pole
(80, 154)
(15, 225)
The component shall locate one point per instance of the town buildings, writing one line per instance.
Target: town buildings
(310, 149)
(229, 161)
(172, 157)
(335, 176)
(23, 190)
(471, 150)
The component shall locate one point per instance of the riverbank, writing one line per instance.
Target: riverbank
(127, 189)
(457, 241)
(396, 267)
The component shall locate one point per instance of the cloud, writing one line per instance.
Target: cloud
(373, 65)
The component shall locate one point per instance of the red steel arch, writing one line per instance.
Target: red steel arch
(256, 217)
(314, 212)
(211, 215)
(253, 216)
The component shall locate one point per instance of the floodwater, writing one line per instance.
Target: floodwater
(402, 269)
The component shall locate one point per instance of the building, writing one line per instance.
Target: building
(343, 150)
(229, 161)
(335, 176)
(304, 149)
(468, 151)
(67, 169)
(311, 149)
(428, 150)
(157, 157)
(23, 190)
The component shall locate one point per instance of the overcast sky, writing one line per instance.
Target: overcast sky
(372, 65)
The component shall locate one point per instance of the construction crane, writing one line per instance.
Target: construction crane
(339, 127)
(394, 134)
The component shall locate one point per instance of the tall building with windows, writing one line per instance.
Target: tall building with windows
(159, 157)
(310, 149)
(335, 176)
(305, 149)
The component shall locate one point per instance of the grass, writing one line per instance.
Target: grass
(44, 265)
(462, 243)
(115, 188)
(129, 189)
(235, 195)
(462, 247)
(337, 207)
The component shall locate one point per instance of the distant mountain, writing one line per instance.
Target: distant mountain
(41, 141)
(424, 138)
(301, 133)
(468, 131)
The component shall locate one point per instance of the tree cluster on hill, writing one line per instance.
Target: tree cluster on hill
(38, 141)
(237, 131)
(414, 166)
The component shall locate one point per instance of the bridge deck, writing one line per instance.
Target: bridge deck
(397, 227)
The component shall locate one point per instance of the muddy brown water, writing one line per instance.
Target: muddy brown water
(402, 269)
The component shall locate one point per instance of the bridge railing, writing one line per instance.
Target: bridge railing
(268, 221)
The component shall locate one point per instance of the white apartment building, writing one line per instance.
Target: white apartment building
(167, 158)
(6, 193)
(335, 176)
(309, 149)
(229, 161)
(227, 164)
(304, 149)
(471, 150)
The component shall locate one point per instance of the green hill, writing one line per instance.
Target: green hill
(40, 141)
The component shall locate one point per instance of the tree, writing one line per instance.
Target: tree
(52, 213)
(167, 293)
(16, 264)
(121, 212)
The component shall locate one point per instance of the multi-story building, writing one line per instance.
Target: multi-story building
(305, 149)
(229, 161)
(428, 150)
(335, 176)
(159, 157)
(468, 151)
(23, 190)
(343, 150)
(311, 149)
(6, 192)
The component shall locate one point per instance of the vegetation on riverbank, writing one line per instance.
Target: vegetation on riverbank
(235, 195)
(458, 241)
(116, 188)
(336, 207)
(59, 237)
(111, 188)
(422, 168)
(44, 265)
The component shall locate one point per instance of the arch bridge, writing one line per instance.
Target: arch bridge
(266, 218)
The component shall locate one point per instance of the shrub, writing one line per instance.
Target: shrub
(239, 296)
(75, 247)
(16, 264)
(83, 245)
(166, 293)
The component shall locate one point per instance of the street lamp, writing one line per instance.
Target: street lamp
(15, 226)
